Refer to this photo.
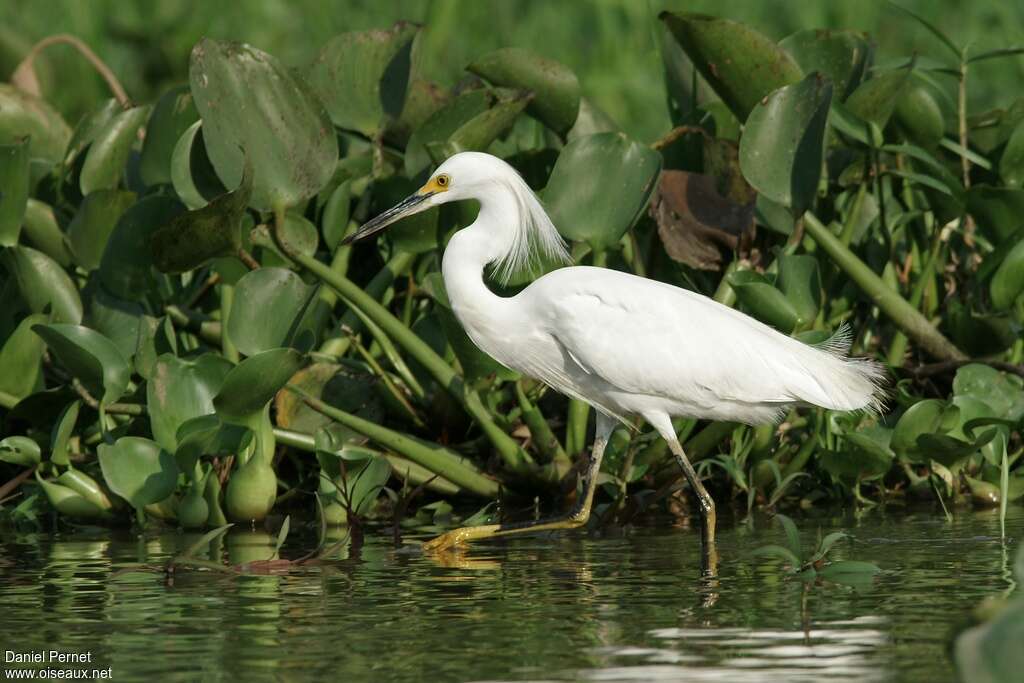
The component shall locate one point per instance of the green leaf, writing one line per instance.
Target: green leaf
(740, 64)
(20, 450)
(14, 179)
(442, 124)
(192, 174)
(841, 56)
(362, 77)
(780, 552)
(1008, 282)
(207, 435)
(90, 357)
(60, 437)
(194, 237)
(924, 417)
(43, 284)
(348, 387)
(256, 111)
(180, 390)
(252, 384)
(126, 268)
(138, 470)
(782, 148)
(764, 301)
(25, 116)
(172, 115)
(599, 187)
(478, 133)
(996, 210)
(156, 337)
(108, 154)
(94, 222)
(919, 115)
(991, 651)
(1001, 391)
(826, 545)
(875, 100)
(417, 234)
(86, 130)
(272, 309)
(41, 231)
(21, 358)
(69, 502)
(555, 88)
(792, 535)
(116, 319)
(799, 281)
(931, 28)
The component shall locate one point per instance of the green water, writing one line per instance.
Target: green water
(567, 607)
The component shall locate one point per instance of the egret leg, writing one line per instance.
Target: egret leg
(577, 517)
(706, 504)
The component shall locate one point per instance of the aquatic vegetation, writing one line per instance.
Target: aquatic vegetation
(185, 338)
(816, 564)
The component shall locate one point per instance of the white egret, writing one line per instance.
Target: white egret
(624, 344)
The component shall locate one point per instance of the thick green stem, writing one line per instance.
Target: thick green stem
(435, 458)
(514, 456)
(543, 438)
(906, 317)
(227, 296)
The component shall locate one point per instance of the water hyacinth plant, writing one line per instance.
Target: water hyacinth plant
(185, 338)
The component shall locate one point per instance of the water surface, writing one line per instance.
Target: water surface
(560, 607)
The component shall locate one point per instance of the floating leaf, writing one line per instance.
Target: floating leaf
(924, 417)
(841, 56)
(172, 115)
(782, 147)
(94, 222)
(69, 502)
(108, 154)
(90, 357)
(271, 309)
(14, 179)
(740, 64)
(43, 284)
(252, 384)
(555, 88)
(254, 110)
(1003, 392)
(138, 470)
(21, 358)
(180, 390)
(194, 237)
(362, 77)
(599, 187)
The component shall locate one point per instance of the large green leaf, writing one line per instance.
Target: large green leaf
(21, 358)
(919, 114)
(440, 126)
(90, 357)
(172, 115)
(105, 161)
(362, 77)
(782, 147)
(180, 390)
(875, 99)
(14, 179)
(253, 107)
(478, 133)
(117, 319)
(42, 232)
(192, 174)
(799, 281)
(252, 384)
(138, 470)
(43, 284)
(762, 300)
(126, 268)
(1008, 282)
(996, 210)
(599, 187)
(740, 64)
(24, 116)
(990, 652)
(1003, 392)
(349, 387)
(20, 450)
(95, 220)
(271, 309)
(929, 416)
(555, 88)
(842, 56)
(190, 239)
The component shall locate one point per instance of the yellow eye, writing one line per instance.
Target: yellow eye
(443, 180)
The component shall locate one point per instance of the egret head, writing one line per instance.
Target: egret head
(524, 235)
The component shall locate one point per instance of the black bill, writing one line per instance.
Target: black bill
(407, 207)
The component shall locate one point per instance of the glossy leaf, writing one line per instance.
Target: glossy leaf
(764, 301)
(41, 231)
(919, 115)
(441, 125)
(21, 358)
(599, 187)
(255, 111)
(252, 384)
(105, 161)
(782, 147)
(60, 437)
(14, 179)
(24, 116)
(875, 100)
(180, 390)
(271, 309)
(94, 222)
(138, 470)
(362, 77)
(479, 132)
(172, 115)
(69, 502)
(1008, 282)
(192, 174)
(924, 417)
(841, 56)
(20, 450)
(194, 237)
(156, 337)
(1003, 392)
(90, 357)
(43, 284)
(126, 268)
(117, 319)
(799, 281)
(207, 435)
(556, 91)
(741, 65)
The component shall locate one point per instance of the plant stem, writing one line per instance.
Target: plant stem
(227, 297)
(543, 438)
(906, 317)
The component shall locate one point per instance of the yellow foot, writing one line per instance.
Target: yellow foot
(459, 537)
